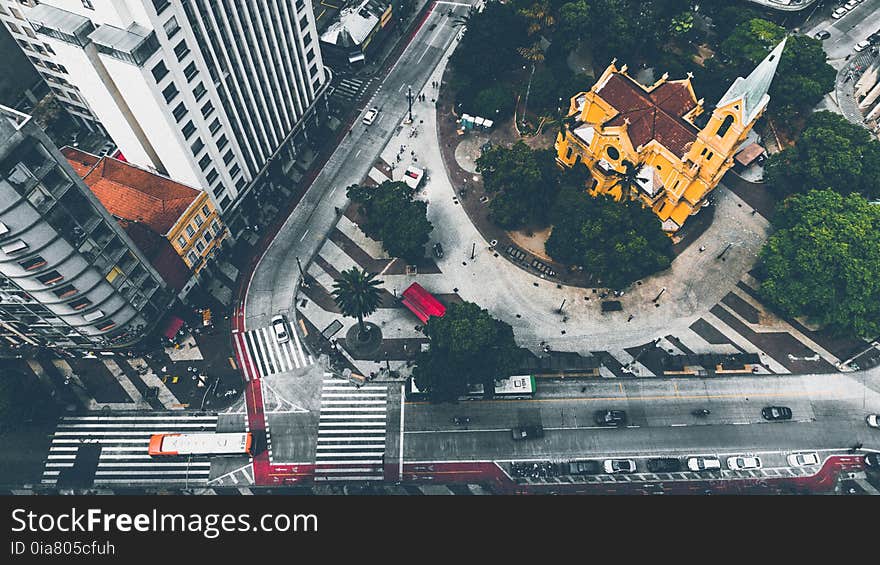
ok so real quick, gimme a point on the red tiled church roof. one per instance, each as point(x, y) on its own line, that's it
point(652, 115)
point(132, 193)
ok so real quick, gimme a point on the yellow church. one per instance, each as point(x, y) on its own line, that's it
point(620, 124)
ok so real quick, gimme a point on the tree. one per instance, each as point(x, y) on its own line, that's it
point(468, 346)
point(574, 23)
point(629, 179)
point(22, 401)
point(489, 46)
point(494, 102)
point(526, 179)
point(823, 261)
point(357, 294)
point(619, 242)
point(831, 153)
point(395, 218)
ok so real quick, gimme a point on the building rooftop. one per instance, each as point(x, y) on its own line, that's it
point(354, 24)
point(131, 193)
point(14, 117)
point(656, 114)
point(160, 253)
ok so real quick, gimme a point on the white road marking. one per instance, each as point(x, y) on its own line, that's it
point(304, 235)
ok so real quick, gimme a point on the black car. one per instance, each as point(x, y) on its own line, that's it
point(527, 432)
point(872, 461)
point(584, 468)
point(438, 250)
point(610, 418)
point(874, 38)
point(664, 465)
point(824, 34)
point(776, 413)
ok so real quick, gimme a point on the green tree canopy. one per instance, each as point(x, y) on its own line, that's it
point(573, 24)
point(395, 218)
point(830, 153)
point(468, 346)
point(823, 261)
point(493, 102)
point(525, 181)
point(356, 292)
point(489, 46)
point(620, 242)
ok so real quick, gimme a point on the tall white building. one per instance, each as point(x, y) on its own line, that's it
point(205, 91)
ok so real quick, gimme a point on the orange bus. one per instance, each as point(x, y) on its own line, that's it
point(201, 444)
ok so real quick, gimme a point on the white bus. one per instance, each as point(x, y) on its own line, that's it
point(201, 444)
point(518, 386)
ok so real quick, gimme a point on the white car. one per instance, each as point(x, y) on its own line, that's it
point(873, 420)
point(619, 466)
point(743, 463)
point(803, 459)
point(862, 45)
point(370, 116)
point(698, 464)
point(279, 326)
point(839, 13)
point(851, 4)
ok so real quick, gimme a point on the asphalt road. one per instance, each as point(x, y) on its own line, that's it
point(855, 26)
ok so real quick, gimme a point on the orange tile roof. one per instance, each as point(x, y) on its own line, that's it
point(132, 193)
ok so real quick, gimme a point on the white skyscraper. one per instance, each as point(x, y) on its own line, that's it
point(205, 91)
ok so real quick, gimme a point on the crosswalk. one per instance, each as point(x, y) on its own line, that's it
point(348, 90)
point(124, 441)
point(351, 432)
point(262, 355)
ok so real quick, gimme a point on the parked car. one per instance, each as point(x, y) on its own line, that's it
point(803, 459)
point(664, 465)
point(279, 326)
point(873, 421)
point(527, 432)
point(874, 38)
point(698, 464)
point(610, 418)
point(774, 413)
point(839, 13)
point(872, 461)
point(583, 467)
point(438, 250)
point(619, 466)
point(370, 116)
point(824, 34)
point(743, 463)
point(851, 4)
point(862, 45)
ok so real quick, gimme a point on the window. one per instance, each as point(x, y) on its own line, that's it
point(227, 157)
point(65, 291)
point(188, 129)
point(313, 70)
point(14, 247)
point(205, 161)
point(215, 125)
point(197, 146)
point(725, 125)
point(206, 211)
point(222, 142)
point(200, 247)
point(170, 92)
point(307, 39)
point(92, 316)
point(190, 231)
point(160, 5)
point(212, 176)
point(181, 241)
point(300, 5)
point(207, 109)
point(199, 91)
point(310, 54)
point(80, 303)
point(190, 71)
point(215, 228)
point(234, 170)
point(179, 112)
point(50, 278)
point(192, 258)
point(199, 220)
point(181, 50)
point(304, 21)
point(106, 325)
point(160, 71)
point(240, 184)
point(171, 27)
point(87, 4)
point(612, 153)
point(208, 237)
point(568, 153)
point(224, 202)
point(34, 262)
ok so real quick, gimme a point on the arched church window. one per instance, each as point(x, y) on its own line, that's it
point(612, 153)
point(725, 125)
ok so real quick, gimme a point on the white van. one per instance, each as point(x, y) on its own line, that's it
point(698, 464)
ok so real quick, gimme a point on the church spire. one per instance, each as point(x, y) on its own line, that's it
point(752, 90)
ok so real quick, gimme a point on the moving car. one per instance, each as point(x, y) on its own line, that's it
point(370, 116)
point(619, 466)
point(279, 326)
point(862, 45)
point(803, 459)
point(438, 250)
point(824, 34)
point(664, 465)
point(527, 432)
point(873, 420)
point(610, 418)
point(872, 461)
point(743, 463)
point(584, 467)
point(698, 464)
point(839, 13)
point(773, 413)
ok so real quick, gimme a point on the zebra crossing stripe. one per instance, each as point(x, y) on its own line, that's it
point(299, 347)
point(243, 354)
point(255, 354)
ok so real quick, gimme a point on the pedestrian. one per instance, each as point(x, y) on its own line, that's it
point(754, 212)
point(630, 318)
point(702, 248)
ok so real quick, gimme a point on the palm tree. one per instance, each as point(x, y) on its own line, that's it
point(540, 19)
point(356, 292)
point(629, 179)
point(463, 21)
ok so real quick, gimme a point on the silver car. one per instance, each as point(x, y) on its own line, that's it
point(743, 463)
point(279, 326)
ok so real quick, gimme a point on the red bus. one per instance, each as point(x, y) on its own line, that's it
point(421, 303)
